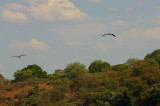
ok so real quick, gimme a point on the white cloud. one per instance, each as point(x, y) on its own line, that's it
point(96, 1)
point(10, 16)
point(33, 44)
point(56, 10)
point(50, 10)
point(15, 6)
point(149, 34)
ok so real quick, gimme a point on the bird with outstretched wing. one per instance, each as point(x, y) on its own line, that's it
point(109, 34)
point(19, 56)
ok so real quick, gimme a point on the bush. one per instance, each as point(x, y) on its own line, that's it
point(99, 66)
point(120, 67)
point(74, 69)
point(31, 71)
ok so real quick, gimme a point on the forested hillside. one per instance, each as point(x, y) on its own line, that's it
point(133, 83)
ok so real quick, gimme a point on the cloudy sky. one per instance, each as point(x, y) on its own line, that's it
point(55, 33)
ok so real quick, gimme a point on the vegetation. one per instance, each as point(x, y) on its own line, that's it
point(99, 66)
point(31, 71)
point(134, 83)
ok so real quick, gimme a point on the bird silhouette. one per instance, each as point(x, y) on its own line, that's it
point(19, 56)
point(108, 34)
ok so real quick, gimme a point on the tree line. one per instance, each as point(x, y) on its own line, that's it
point(133, 83)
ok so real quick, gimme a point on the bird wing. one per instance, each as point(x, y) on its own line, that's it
point(108, 34)
point(113, 35)
point(104, 35)
point(16, 56)
point(23, 55)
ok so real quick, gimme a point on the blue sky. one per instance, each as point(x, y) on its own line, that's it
point(55, 33)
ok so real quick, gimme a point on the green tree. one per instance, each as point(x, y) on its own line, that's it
point(1, 76)
point(59, 71)
point(151, 74)
point(37, 71)
point(119, 67)
point(99, 66)
point(152, 62)
point(131, 62)
point(153, 97)
point(79, 82)
point(74, 69)
point(155, 55)
point(147, 70)
point(22, 75)
point(101, 98)
point(121, 97)
point(31, 71)
point(56, 76)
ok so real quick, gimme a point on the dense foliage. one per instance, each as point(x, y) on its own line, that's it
point(134, 83)
point(31, 71)
point(99, 66)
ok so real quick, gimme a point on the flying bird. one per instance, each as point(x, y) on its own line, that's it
point(19, 56)
point(108, 34)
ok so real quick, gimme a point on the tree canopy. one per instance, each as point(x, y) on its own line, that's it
point(99, 66)
point(133, 83)
point(72, 70)
point(119, 67)
point(155, 55)
point(31, 71)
